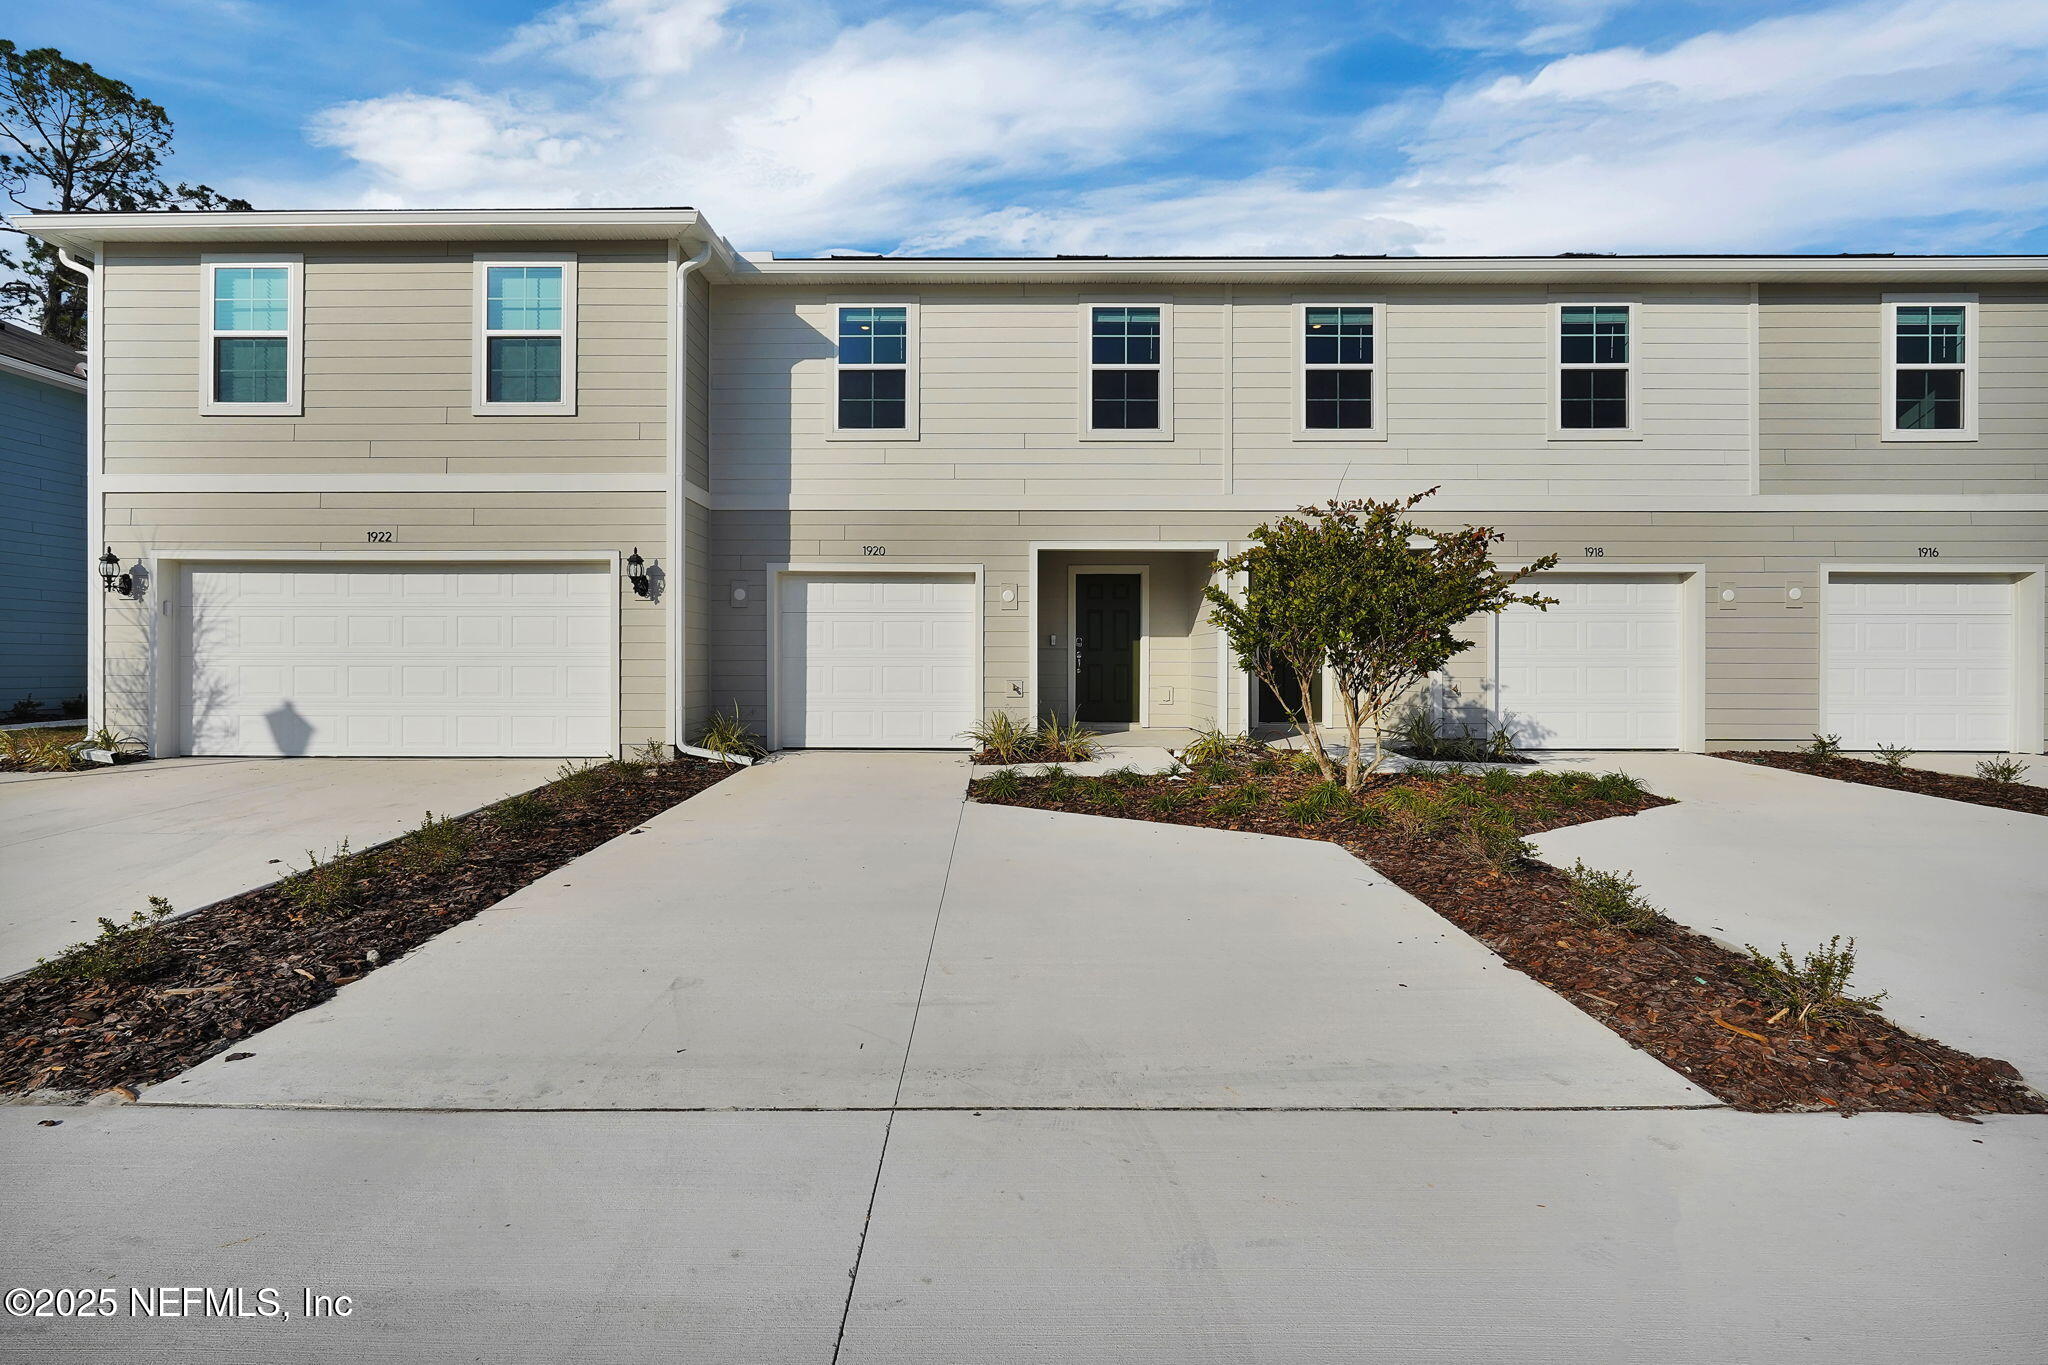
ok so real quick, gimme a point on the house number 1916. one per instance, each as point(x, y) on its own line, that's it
point(1929, 552)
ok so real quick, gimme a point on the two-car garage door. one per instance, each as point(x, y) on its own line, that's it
point(367, 660)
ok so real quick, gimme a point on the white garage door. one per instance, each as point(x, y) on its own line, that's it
point(368, 660)
point(1600, 670)
point(1926, 662)
point(875, 661)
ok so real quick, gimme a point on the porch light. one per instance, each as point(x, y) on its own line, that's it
point(636, 572)
point(111, 577)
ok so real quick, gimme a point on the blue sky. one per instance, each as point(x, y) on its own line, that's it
point(1127, 126)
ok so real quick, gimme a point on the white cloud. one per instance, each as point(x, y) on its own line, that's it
point(1023, 128)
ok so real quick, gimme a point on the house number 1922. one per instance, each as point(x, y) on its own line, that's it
point(377, 537)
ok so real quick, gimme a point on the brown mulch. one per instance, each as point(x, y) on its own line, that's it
point(1978, 791)
point(243, 964)
point(1671, 992)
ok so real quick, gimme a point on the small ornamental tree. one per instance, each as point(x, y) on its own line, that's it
point(1378, 598)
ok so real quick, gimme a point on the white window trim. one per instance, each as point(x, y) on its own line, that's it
point(294, 334)
point(1378, 368)
point(1889, 367)
point(1164, 432)
point(480, 335)
point(1631, 432)
point(909, 430)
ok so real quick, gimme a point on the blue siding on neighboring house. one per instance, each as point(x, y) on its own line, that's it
point(44, 561)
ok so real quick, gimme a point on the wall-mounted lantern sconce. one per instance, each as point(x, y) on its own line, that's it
point(636, 572)
point(111, 577)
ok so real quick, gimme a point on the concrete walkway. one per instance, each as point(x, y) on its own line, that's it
point(1947, 901)
point(765, 946)
point(194, 830)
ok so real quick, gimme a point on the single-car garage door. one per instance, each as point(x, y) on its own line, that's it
point(1925, 661)
point(347, 660)
point(875, 661)
point(1600, 670)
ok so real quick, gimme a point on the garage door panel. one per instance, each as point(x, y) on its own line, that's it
point(373, 661)
point(1600, 669)
point(875, 661)
point(1925, 662)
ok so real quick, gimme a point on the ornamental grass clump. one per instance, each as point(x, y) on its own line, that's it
point(1210, 746)
point(1611, 900)
point(1814, 989)
point(727, 734)
point(1323, 802)
point(1004, 784)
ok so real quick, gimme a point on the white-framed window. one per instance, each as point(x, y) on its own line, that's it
point(1930, 386)
point(874, 382)
point(1594, 394)
point(1127, 371)
point(254, 327)
point(525, 343)
point(1337, 352)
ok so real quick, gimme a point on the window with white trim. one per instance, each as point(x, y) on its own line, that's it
point(526, 337)
point(1126, 368)
point(253, 353)
point(872, 393)
point(1929, 394)
point(1338, 360)
point(1593, 365)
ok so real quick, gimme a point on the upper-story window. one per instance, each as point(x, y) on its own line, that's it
point(526, 336)
point(1126, 370)
point(1593, 367)
point(1931, 394)
point(1339, 355)
point(876, 389)
point(253, 353)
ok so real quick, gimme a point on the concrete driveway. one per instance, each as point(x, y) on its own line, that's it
point(976, 1083)
point(1947, 901)
point(193, 830)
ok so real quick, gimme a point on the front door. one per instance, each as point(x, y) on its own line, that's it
point(1106, 630)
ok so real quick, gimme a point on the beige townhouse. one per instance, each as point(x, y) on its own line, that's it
point(564, 481)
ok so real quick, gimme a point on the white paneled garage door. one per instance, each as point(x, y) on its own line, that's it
point(1600, 670)
point(347, 660)
point(875, 661)
point(1924, 661)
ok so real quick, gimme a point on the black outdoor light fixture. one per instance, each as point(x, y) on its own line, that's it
point(111, 577)
point(636, 572)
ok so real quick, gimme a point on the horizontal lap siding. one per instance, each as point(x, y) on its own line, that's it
point(139, 525)
point(45, 563)
point(388, 350)
point(1823, 364)
point(1762, 657)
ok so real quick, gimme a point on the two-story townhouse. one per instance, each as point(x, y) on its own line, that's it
point(380, 481)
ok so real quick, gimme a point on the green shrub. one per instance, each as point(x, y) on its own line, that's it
point(1823, 746)
point(1428, 772)
point(522, 815)
point(325, 887)
point(1059, 782)
point(1004, 784)
point(1499, 782)
point(1304, 762)
point(1268, 765)
point(1209, 746)
point(37, 751)
point(2001, 770)
point(1216, 772)
point(574, 781)
point(1323, 802)
point(1168, 801)
point(727, 733)
point(1813, 989)
point(1894, 755)
point(1003, 738)
point(1415, 810)
point(1240, 800)
point(1610, 899)
point(438, 844)
point(1125, 776)
point(652, 753)
point(1106, 795)
point(119, 953)
point(1067, 741)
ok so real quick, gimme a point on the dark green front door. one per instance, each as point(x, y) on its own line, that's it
point(1106, 628)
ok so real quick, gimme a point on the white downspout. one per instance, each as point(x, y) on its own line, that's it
point(95, 505)
point(675, 586)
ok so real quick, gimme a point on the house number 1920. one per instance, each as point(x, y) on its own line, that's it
point(874, 551)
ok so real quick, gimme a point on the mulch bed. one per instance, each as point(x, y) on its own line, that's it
point(243, 964)
point(1673, 993)
point(2019, 796)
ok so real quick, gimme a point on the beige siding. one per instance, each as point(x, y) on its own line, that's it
point(1466, 382)
point(139, 525)
point(1823, 366)
point(1180, 648)
point(1762, 655)
point(388, 352)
